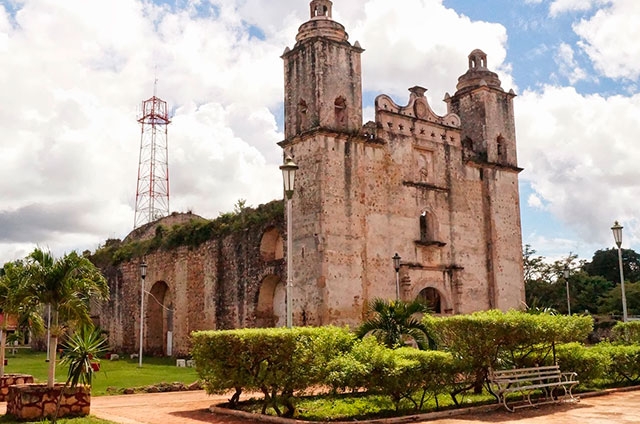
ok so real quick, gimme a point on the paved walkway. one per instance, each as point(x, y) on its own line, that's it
point(192, 408)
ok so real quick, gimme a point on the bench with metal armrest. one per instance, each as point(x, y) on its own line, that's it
point(547, 381)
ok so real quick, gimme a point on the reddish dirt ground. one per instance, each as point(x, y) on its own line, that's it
point(192, 408)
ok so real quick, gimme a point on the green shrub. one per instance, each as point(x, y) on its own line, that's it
point(624, 362)
point(274, 361)
point(404, 373)
point(588, 363)
point(626, 332)
point(495, 339)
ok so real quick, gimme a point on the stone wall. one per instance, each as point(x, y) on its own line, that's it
point(11, 379)
point(216, 284)
point(37, 401)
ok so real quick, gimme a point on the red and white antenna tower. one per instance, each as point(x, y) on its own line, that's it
point(152, 194)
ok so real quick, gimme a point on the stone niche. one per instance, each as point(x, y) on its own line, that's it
point(37, 401)
point(10, 380)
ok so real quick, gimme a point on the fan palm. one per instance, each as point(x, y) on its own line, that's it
point(394, 322)
point(67, 285)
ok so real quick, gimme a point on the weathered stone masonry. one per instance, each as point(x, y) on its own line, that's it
point(441, 191)
point(215, 285)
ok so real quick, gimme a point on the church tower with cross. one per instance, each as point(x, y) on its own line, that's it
point(441, 192)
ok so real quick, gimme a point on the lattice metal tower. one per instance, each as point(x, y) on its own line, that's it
point(152, 194)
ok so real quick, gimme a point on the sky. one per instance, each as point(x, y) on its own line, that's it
point(74, 73)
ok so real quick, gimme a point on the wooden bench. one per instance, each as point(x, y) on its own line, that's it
point(545, 380)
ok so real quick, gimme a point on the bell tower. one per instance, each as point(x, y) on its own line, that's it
point(323, 82)
point(486, 112)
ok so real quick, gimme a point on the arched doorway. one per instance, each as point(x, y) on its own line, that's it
point(270, 308)
point(431, 297)
point(159, 319)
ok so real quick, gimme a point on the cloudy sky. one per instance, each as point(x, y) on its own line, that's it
point(73, 74)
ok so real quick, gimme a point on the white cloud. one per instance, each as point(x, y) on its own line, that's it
point(610, 38)
point(73, 77)
point(581, 158)
point(421, 42)
point(535, 202)
point(563, 6)
point(74, 74)
point(567, 65)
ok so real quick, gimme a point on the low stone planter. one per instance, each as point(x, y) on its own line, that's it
point(37, 401)
point(11, 379)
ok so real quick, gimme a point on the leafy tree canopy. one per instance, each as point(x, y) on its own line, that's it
point(605, 264)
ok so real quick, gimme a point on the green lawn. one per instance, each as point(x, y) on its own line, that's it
point(120, 374)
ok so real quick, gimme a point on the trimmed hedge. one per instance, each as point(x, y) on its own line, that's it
point(624, 362)
point(274, 361)
point(626, 332)
point(284, 363)
point(499, 340)
point(404, 373)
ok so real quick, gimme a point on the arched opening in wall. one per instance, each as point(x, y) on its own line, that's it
point(270, 305)
point(271, 245)
point(427, 227)
point(340, 107)
point(159, 319)
point(431, 297)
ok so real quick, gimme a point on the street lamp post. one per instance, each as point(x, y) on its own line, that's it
point(565, 273)
point(143, 274)
point(396, 264)
point(289, 169)
point(617, 235)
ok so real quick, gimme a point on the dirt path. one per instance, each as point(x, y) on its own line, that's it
point(161, 408)
point(192, 408)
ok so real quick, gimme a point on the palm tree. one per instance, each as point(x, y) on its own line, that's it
point(394, 322)
point(66, 285)
point(12, 306)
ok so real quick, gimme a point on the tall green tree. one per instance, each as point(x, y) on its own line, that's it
point(605, 264)
point(66, 285)
point(395, 322)
point(545, 285)
point(611, 302)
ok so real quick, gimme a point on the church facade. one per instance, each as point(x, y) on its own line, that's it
point(441, 192)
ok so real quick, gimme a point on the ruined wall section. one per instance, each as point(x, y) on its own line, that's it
point(214, 285)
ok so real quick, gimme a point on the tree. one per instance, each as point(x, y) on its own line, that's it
point(605, 264)
point(394, 322)
point(12, 306)
point(544, 281)
point(612, 300)
point(66, 285)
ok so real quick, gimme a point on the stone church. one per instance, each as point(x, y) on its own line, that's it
point(440, 191)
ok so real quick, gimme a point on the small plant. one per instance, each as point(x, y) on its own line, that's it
point(394, 323)
point(80, 352)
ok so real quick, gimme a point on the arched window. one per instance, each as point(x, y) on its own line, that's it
point(424, 227)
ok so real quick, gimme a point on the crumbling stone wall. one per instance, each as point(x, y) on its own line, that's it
point(214, 285)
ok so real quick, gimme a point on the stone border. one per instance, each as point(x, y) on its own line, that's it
point(12, 379)
point(37, 401)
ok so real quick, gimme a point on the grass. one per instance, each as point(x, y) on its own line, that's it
point(363, 406)
point(120, 374)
